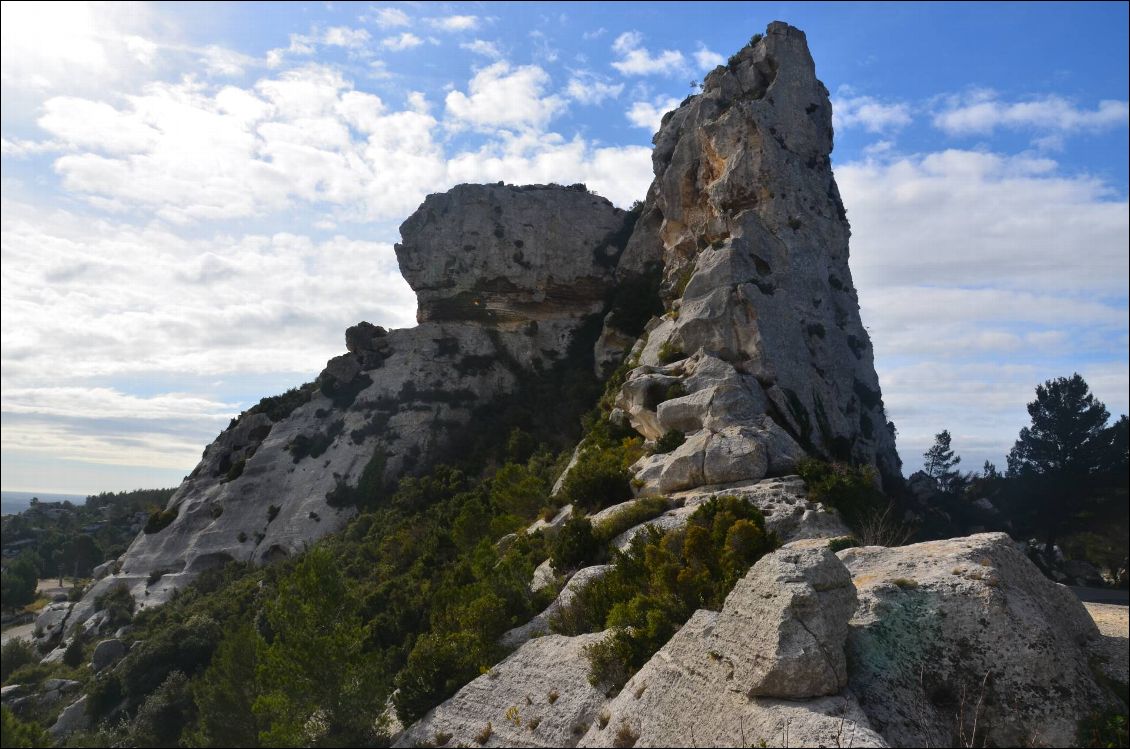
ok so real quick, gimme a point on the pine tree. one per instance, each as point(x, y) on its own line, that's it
point(940, 462)
point(1067, 444)
point(319, 686)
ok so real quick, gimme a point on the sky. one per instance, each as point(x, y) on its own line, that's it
point(199, 198)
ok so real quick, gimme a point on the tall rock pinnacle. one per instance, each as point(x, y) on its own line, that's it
point(762, 335)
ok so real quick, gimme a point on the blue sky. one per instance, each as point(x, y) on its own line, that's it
point(199, 198)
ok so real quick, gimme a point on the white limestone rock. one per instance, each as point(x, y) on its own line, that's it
point(754, 241)
point(506, 278)
point(967, 629)
point(538, 696)
point(695, 690)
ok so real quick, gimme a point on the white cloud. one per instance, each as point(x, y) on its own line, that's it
point(976, 219)
point(707, 59)
point(220, 61)
point(980, 276)
point(589, 88)
point(594, 33)
point(388, 18)
point(402, 41)
point(187, 152)
point(635, 59)
point(483, 47)
point(19, 147)
point(454, 23)
point(620, 174)
point(874, 116)
point(344, 36)
point(982, 112)
point(501, 96)
point(649, 115)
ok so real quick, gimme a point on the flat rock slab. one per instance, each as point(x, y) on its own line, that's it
point(539, 696)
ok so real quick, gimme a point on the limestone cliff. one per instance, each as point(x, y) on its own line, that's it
point(762, 341)
point(511, 281)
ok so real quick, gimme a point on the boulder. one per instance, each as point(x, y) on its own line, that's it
point(696, 690)
point(963, 641)
point(107, 653)
point(73, 718)
point(784, 625)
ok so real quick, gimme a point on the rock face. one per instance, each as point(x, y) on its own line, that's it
point(762, 356)
point(511, 282)
point(963, 632)
point(780, 634)
point(493, 253)
point(539, 696)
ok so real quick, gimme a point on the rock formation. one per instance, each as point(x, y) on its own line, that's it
point(510, 281)
point(761, 356)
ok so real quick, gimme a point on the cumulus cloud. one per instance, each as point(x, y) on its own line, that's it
point(981, 275)
point(401, 41)
point(502, 96)
point(483, 47)
point(649, 114)
point(707, 59)
point(874, 116)
point(636, 59)
point(982, 112)
point(590, 88)
point(454, 23)
point(388, 18)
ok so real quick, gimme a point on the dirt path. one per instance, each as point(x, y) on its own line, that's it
point(1114, 649)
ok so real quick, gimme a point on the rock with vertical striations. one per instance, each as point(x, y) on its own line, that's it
point(748, 220)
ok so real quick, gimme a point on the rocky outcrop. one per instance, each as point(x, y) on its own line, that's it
point(492, 253)
point(964, 642)
point(512, 283)
point(761, 356)
point(539, 696)
point(719, 681)
point(788, 513)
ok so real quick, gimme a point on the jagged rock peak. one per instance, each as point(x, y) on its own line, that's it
point(745, 213)
point(503, 253)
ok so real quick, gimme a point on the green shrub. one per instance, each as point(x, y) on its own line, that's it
point(159, 520)
point(19, 733)
point(850, 489)
point(272, 513)
point(574, 545)
point(669, 352)
point(669, 441)
point(843, 542)
point(674, 390)
point(118, 603)
point(599, 479)
point(14, 654)
point(659, 581)
point(1104, 729)
point(640, 511)
point(73, 655)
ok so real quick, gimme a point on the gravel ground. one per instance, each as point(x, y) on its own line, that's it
point(1114, 648)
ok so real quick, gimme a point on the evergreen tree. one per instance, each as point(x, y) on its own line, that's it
point(226, 693)
point(940, 462)
point(319, 687)
point(1067, 444)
